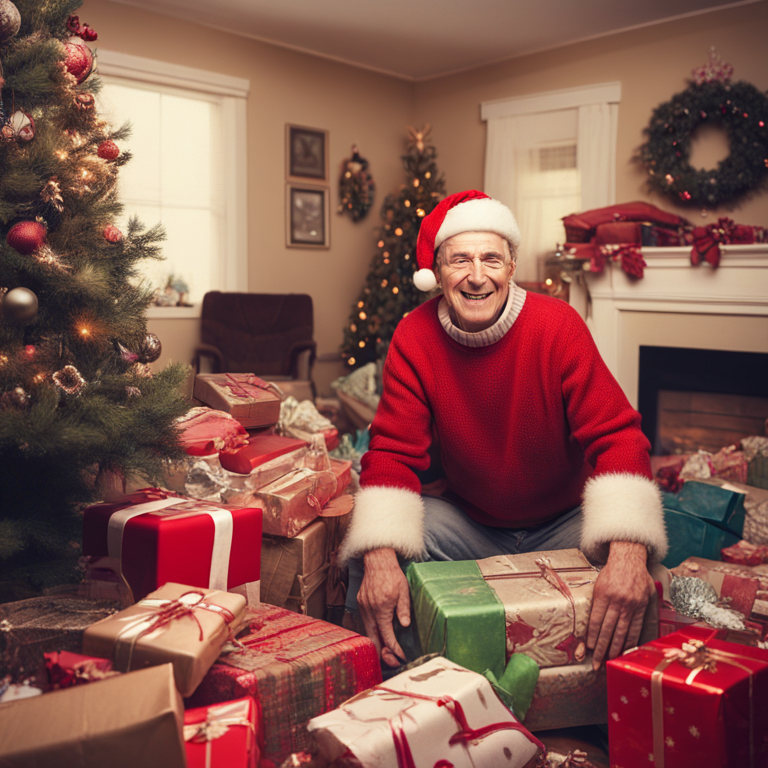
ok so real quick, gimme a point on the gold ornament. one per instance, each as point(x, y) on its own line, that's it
point(69, 380)
point(51, 193)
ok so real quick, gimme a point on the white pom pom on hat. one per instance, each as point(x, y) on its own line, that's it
point(469, 211)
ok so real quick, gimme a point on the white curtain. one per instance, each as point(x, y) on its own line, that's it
point(596, 154)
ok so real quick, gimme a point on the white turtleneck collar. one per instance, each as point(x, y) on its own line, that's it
point(491, 335)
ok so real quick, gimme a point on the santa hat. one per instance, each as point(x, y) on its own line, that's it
point(469, 211)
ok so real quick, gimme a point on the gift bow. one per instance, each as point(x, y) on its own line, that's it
point(217, 722)
point(707, 240)
point(239, 387)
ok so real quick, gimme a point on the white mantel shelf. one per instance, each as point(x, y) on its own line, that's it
point(737, 288)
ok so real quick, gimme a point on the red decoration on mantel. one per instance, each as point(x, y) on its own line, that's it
point(707, 240)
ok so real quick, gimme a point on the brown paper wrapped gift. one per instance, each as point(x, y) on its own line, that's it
point(179, 624)
point(293, 571)
point(123, 722)
point(547, 597)
point(253, 402)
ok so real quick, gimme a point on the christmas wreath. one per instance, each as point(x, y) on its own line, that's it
point(739, 108)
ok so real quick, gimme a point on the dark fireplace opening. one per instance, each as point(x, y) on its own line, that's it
point(693, 399)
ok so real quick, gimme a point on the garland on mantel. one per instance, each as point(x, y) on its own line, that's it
point(739, 108)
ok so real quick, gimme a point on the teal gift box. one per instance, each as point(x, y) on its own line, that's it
point(701, 520)
point(455, 594)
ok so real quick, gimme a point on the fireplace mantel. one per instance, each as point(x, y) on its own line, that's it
point(677, 305)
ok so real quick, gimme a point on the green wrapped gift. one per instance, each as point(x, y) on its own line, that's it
point(458, 615)
point(690, 536)
point(715, 504)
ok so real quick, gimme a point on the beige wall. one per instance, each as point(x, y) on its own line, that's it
point(652, 64)
point(355, 105)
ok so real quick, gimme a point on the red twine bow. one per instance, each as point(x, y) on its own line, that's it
point(239, 388)
point(81, 30)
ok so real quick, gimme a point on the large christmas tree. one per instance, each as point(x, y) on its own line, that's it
point(77, 399)
point(389, 293)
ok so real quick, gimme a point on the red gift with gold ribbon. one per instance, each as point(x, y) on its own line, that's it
point(685, 702)
point(222, 736)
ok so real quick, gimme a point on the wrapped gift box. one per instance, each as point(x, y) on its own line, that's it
point(176, 624)
point(745, 553)
point(259, 450)
point(343, 471)
point(689, 536)
point(65, 669)
point(458, 615)
point(680, 702)
point(293, 571)
point(436, 714)
point(721, 505)
point(222, 736)
point(205, 431)
point(547, 597)
point(568, 696)
point(30, 628)
point(126, 721)
point(250, 400)
point(158, 536)
point(293, 501)
point(297, 667)
point(746, 588)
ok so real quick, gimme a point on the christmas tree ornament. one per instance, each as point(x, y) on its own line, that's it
point(85, 101)
point(78, 59)
point(108, 150)
point(26, 236)
point(45, 255)
point(142, 370)
point(10, 21)
point(356, 187)
point(112, 234)
point(69, 380)
point(81, 30)
point(20, 306)
point(15, 399)
point(19, 125)
point(51, 193)
point(149, 349)
point(132, 392)
point(125, 354)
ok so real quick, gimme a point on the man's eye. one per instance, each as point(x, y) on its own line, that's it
point(493, 263)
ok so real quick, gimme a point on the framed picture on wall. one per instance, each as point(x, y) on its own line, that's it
point(307, 217)
point(306, 153)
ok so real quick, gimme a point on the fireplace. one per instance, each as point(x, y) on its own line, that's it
point(693, 399)
point(695, 318)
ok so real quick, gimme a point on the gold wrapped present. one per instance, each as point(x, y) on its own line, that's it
point(122, 722)
point(253, 402)
point(183, 625)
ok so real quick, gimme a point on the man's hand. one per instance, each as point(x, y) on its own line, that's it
point(383, 592)
point(622, 592)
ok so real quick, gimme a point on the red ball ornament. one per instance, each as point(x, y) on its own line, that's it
point(112, 234)
point(79, 59)
point(108, 150)
point(26, 237)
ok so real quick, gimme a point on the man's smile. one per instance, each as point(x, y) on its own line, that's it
point(475, 296)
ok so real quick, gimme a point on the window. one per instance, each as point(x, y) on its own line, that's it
point(549, 155)
point(187, 170)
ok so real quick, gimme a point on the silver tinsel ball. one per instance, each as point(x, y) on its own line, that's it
point(687, 594)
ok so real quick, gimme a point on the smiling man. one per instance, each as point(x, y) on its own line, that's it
point(540, 448)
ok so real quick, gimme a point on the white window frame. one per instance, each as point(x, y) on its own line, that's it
point(233, 92)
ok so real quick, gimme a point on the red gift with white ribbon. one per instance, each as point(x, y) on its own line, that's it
point(222, 736)
point(156, 536)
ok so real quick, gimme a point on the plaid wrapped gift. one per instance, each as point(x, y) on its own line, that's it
point(298, 668)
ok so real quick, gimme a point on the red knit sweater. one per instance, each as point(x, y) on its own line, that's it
point(522, 423)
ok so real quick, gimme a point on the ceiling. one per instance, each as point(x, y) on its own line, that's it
point(421, 40)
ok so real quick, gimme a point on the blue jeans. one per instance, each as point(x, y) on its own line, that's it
point(451, 535)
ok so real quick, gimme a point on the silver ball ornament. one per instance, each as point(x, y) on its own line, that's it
point(10, 20)
point(149, 349)
point(20, 306)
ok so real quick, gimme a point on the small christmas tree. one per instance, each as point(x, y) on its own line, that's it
point(77, 399)
point(389, 293)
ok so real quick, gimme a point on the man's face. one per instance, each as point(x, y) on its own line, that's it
point(474, 271)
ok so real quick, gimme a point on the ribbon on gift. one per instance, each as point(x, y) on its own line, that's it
point(464, 734)
point(160, 614)
point(222, 535)
point(698, 657)
point(247, 385)
point(218, 721)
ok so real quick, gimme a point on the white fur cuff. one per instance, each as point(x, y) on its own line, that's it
point(385, 517)
point(622, 507)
